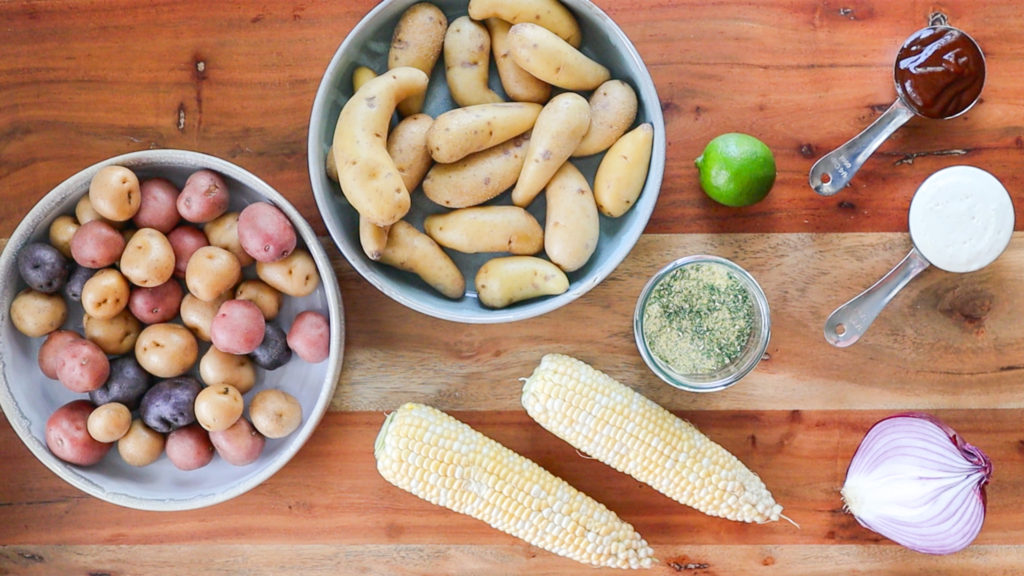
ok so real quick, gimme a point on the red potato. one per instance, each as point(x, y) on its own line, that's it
point(67, 435)
point(265, 233)
point(96, 244)
point(185, 240)
point(204, 197)
point(238, 327)
point(83, 366)
point(240, 444)
point(189, 448)
point(158, 208)
point(157, 304)
point(310, 336)
point(50, 353)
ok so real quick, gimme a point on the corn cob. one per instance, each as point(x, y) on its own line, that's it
point(620, 427)
point(444, 461)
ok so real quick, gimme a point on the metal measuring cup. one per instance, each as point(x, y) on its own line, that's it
point(834, 171)
point(936, 198)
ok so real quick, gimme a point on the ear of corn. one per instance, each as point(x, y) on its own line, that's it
point(444, 461)
point(620, 427)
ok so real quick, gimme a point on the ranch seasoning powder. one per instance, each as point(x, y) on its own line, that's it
point(698, 319)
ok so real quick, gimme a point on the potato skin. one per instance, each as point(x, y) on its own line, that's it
point(114, 193)
point(467, 57)
point(148, 258)
point(519, 84)
point(413, 251)
point(486, 229)
point(295, 275)
point(559, 128)
point(417, 42)
point(613, 108)
point(553, 60)
point(407, 145)
point(460, 132)
point(36, 314)
point(478, 177)
point(549, 14)
point(506, 280)
point(622, 172)
point(572, 226)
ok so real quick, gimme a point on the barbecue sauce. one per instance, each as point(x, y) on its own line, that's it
point(940, 72)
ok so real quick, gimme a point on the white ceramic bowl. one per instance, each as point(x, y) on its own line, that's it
point(28, 397)
point(367, 45)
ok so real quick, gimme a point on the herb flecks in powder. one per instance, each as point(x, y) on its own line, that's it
point(698, 319)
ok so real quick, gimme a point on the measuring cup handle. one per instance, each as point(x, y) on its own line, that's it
point(833, 171)
point(851, 320)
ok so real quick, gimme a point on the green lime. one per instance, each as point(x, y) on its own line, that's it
point(736, 169)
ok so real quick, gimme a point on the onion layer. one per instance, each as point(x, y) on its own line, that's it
point(917, 482)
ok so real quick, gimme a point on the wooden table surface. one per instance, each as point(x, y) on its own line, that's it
point(81, 81)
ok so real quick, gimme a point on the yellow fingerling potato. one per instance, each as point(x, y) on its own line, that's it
point(622, 172)
point(519, 84)
point(360, 76)
point(413, 251)
point(571, 225)
point(467, 60)
point(368, 176)
point(460, 132)
point(417, 42)
point(550, 14)
point(509, 279)
point(486, 229)
point(407, 145)
point(543, 54)
point(613, 109)
point(556, 134)
point(478, 177)
point(372, 238)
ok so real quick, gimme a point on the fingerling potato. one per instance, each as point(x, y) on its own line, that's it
point(413, 251)
point(417, 42)
point(407, 145)
point(571, 225)
point(622, 172)
point(477, 177)
point(361, 75)
point(613, 109)
point(467, 60)
point(509, 279)
point(519, 84)
point(550, 14)
point(486, 229)
point(556, 134)
point(368, 176)
point(550, 58)
point(372, 238)
point(460, 132)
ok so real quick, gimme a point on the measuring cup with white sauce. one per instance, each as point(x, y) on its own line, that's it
point(939, 74)
point(961, 219)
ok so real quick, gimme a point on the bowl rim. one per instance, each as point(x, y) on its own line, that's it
point(681, 381)
point(524, 310)
point(197, 160)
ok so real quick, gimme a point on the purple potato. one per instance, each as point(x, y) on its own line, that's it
point(273, 352)
point(43, 267)
point(127, 383)
point(79, 276)
point(169, 404)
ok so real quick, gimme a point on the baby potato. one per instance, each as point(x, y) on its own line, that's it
point(558, 131)
point(218, 368)
point(407, 145)
point(460, 132)
point(495, 228)
point(62, 229)
point(222, 232)
point(67, 435)
point(543, 54)
point(49, 356)
point(204, 197)
point(275, 413)
point(36, 314)
point(266, 298)
point(148, 258)
point(478, 177)
point(157, 304)
point(114, 193)
point(240, 444)
point(572, 226)
point(417, 42)
point(622, 172)
point(185, 240)
point(166, 350)
point(367, 174)
point(109, 422)
point(519, 84)
point(83, 366)
point(212, 271)
point(413, 251)
point(506, 280)
point(218, 407)
point(372, 238)
point(295, 275)
point(96, 244)
point(550, 14)
point(467, 61)
point(158, 205)
point(106, 294)
point(361, 75)
point(613, 108)
point(43, 267)
point(115, 335)
point(238, 327)
point(273, 352)
point(189, 447)
point(198, 314)
point(141, 445)
point(310, 336)
point(265, 233)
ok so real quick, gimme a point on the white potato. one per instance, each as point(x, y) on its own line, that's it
point(543, 54)
point(486, 229)
point(413, 251)
point(506, 280)
point(467, 59)
point(622, 172)
point(572, 225)
point(477, 177)
point(556, 134)
point(460, 132)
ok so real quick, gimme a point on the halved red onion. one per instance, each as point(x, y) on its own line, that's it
point(917, 482)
